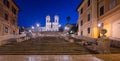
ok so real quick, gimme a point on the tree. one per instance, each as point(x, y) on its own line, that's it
point(68, 19)
point(74, 29)
point(21, 29)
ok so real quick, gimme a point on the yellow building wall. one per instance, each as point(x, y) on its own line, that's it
point(108, 19)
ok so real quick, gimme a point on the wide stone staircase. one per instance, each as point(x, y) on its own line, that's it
point(44, 45)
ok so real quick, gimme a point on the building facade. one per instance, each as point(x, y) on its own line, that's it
point(8, 17)
point(52, 26)
point(49, 25)
point(95, 15)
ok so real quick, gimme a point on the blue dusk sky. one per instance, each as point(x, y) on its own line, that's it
point(34, 11)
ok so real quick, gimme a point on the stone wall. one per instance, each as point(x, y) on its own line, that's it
point(115, 43)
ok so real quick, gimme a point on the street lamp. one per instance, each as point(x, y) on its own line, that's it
point(100, 25)
point(67, 28)
point(37, 25)
point(59, 25)
point(33, 27)
point(37, 29)
point(30, 31)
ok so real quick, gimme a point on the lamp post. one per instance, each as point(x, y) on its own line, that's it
point(99, 26)
point(67, 29)
point(37, 25)
point(37, 29)
point(59, 25)
point(32, 28)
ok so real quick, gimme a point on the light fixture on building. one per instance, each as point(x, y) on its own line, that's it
point(100, 25)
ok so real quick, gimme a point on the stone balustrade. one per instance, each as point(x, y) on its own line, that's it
point(85, 39)
point(12, 38)
point(102, 46)
point(115, 42)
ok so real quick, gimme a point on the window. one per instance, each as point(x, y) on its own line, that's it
point(6, 2)
point(81, 22)
point(6, 16)
point(88, 2)
point(81, 10)
point(6, 30)
point(13, 22)
point(89, 30)
point(88, 17)
point(48, 21)
point(101, 10)
point(112, 4)
point(81, 33)
point(13, 32)
point(13, 10)
point(56, 21)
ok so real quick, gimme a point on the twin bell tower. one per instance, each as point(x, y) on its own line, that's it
point(52, 26)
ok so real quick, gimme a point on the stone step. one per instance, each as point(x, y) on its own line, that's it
point(48, 45)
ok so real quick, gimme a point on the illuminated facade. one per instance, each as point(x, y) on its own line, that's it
point(99, 12)
point(52, 26)
point(8, 18)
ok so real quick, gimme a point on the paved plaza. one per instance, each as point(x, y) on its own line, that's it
point(98, 57)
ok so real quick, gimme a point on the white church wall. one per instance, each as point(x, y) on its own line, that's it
point(52, 26)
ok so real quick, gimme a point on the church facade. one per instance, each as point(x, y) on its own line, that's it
point(49, 25)
point(52, 26)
